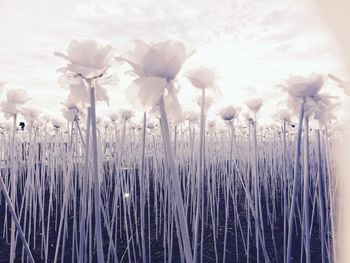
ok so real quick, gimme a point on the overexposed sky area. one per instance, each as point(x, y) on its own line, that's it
point(252, 44)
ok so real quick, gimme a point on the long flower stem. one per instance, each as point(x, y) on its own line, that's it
point(182, 225)
point(98, 230)
point(295, 182)
point(306, 217)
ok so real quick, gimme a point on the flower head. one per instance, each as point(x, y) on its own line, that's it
point(15, 98)
point(255, 104)
point(156, 66)
point(301, 87)
point(71, 111)
point(30, 114)
point(284, 115)
point(113, 117)
point(87, 58)
point(126, 114)
point(57, 123)
point(164, 59)
point(202, 78)
point(228, 113)
point(151, 124)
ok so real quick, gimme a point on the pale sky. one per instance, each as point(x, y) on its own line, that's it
point(252, 44)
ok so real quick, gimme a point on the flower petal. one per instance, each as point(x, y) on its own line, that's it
point(145, 92)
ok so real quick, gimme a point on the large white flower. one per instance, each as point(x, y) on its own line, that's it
point(301, 87)
point(165, 59)
point(156, 66)
point(87, 58)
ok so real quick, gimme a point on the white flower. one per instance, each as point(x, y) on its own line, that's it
point(156, 66)
point(321, 107)
point(202, 78)
point(38, 123)
point(151, 124)
point(301, 87)
point(17, 96)
point(87, 58)
point(247, 116)
point(57, 123)
point(228, 113)
point(164, 59)
point(113, 116)
point(30, 114)
point(126, 114)
point(284, 115)
point(70, 112)
point(255, 104)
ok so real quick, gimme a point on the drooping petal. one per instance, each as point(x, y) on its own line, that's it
point(101, 93)
point(145, 92)
point(172, 104)
point(68, 79)
point(110, 80)
point(136, 56)
point(208, 101)
point(79, 94)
